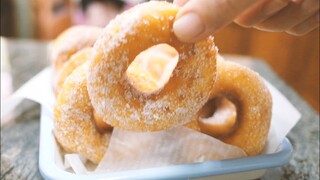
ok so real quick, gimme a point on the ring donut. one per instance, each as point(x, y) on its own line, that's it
point(253, 101)
point(75, 60)
point(152, 68)
point(71, 41)
point(123, 106)
point(74, 126)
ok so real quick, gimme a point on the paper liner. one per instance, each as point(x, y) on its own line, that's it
point(284, 118)
point(178, 145)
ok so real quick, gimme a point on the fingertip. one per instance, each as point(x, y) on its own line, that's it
point(188, 27)
point(211, 16)
point(180, 2)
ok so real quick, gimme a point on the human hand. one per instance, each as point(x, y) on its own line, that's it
point(199, 18)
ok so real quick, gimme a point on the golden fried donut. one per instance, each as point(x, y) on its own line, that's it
point(123, 106)
point(151, 70)
point(73, 119)
point(148, 72)
point(75, 60)
point(253, 101)
point(70, 41)
point(217, 117)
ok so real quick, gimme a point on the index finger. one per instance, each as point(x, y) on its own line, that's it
point(197, 19)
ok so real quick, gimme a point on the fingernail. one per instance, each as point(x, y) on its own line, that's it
point(188, 26)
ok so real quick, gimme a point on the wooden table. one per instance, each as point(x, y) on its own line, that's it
point(20, 139)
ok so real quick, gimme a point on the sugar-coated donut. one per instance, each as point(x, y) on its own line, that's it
point(75, 60)
point(151, 70)
point(253, 101)
point(70, 41)
point(74, 127)
point(123, 106)
point(217, 117)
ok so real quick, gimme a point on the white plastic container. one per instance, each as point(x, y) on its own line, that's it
point(242, 168)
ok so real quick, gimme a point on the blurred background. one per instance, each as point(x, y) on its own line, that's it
point(294, 59)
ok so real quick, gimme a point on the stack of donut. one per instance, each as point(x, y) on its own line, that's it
point(96, 89)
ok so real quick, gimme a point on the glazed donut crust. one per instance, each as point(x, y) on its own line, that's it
point(74, 128)
point(253, 101)
point(123, 106)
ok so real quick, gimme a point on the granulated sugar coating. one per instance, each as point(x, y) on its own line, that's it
point(74, 127)
point(71, 41)
point(75, 60)
point(123, 106)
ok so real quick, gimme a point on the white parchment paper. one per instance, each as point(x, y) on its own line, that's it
point(179, 145)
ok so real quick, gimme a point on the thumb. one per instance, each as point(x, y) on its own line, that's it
point(197, 19)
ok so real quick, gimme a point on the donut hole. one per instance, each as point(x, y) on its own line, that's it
point(152, 68)
point(218, 117)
